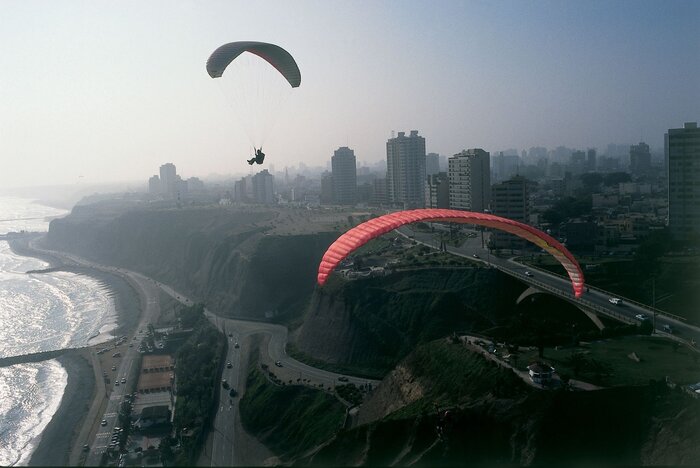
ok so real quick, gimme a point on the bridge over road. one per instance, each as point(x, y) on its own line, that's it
point(594, 301)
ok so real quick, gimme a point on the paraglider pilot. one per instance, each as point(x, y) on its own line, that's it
point(259, 157)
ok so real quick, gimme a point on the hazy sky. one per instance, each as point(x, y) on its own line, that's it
point(111, 90)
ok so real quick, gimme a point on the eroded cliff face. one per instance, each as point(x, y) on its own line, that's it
point(443, 406)
point(375, 322)
point(222, 257)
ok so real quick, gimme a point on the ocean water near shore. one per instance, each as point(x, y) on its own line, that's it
point(40, 312)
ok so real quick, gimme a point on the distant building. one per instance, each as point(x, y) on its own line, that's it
point(379, 193)
point(168, 178)
point(683, 161)
point(470, 180)
point(263, 188)
point(240, 194)
point(344, 170)
point(510, 199)
point(326, 196)
point(154, 186)
point(405, 160)
point(591, 163)
point(432, 164)
point(578, 162)
point(437, 191)
point(505, 166)
point(194, 184)
point(640, 159)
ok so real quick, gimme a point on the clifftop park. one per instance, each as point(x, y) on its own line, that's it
point(428, 355)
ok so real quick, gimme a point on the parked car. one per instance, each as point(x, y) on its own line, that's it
point(103, 422)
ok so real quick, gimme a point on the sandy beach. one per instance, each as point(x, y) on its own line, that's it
point(81, 393)
point(56, 440)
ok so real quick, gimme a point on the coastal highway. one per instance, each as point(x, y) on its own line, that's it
point(128, 366)
point(228, 443)
point(595, 299)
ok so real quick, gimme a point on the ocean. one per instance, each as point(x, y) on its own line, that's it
point(40, 312)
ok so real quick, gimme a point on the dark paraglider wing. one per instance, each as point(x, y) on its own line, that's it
point(363, 233)
point(274, 55)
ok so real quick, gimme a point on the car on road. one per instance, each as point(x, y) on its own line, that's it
point(123, 380)
point(233, 393)
point(528, 273)
point(230, 335)
point(229, 365)
point(236, 345)
point(114, 368)
point(343, 378)
point(475, 256)
point(668, 329)
point(641, 317)
point(224, 384)
point(615, 300)
point(86, 448)
point(278, 363)
point(116, 383)
point(103, 422)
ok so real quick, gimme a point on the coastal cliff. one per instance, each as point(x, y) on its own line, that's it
point(225, 257)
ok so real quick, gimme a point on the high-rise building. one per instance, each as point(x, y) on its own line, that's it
point(470, 180)
point(432, 163)
point(505, 166)
point(168, 178)
point(510, 199)
point(239, 191)
point(344, 169)
point(263, 187)
point(437, 191)
point(405, 160)
point(640, 159)
point(578, 162)
point(154, 186)
point(683, 161)
point(326, 195)
point(591, 163)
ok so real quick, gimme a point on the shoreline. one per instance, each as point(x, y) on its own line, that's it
point(58, 440)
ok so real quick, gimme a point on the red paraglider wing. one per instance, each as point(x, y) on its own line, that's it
point(363, 233)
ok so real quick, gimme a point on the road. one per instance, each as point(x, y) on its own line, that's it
point(594, 299)
point(228, 443)
point(128, 366)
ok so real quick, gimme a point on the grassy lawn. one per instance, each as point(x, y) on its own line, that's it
point(607, 362)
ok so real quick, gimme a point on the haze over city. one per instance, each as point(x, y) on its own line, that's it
point(97, 92)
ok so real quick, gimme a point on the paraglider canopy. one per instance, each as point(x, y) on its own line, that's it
point(273, 54)
point(363, 233)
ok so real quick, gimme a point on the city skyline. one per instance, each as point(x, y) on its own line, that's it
point(103, 93)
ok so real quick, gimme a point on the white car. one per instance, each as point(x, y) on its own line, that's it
point(641, 317)
point(615, 300)
point(528, 273)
